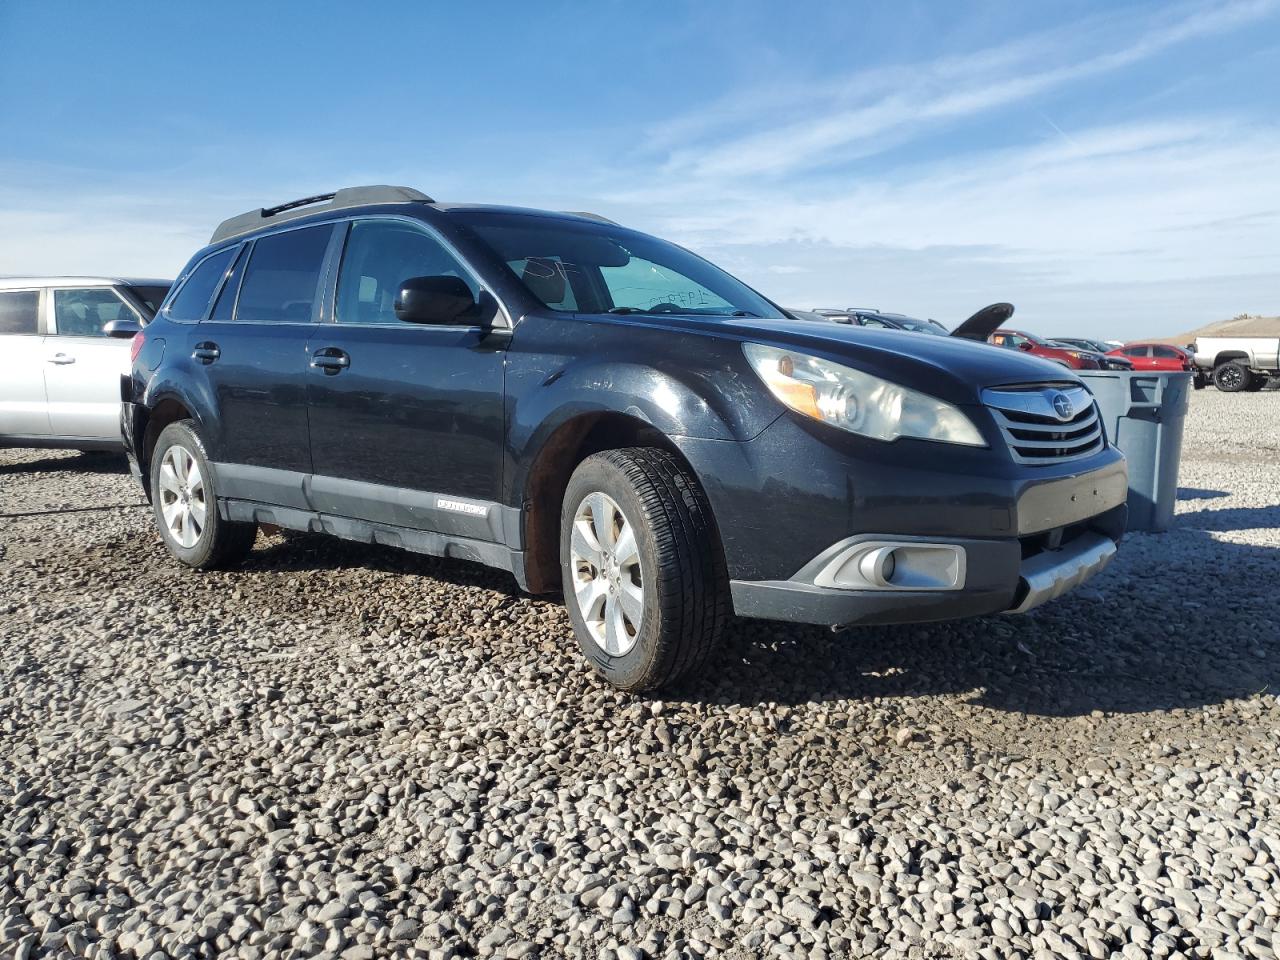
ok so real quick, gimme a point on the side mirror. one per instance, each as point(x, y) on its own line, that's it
point(122, 329)
point(1025, 346)
point(443, 300)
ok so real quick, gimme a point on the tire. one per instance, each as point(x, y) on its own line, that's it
point(185, 504)
point(674, 580)
point(1231, 377)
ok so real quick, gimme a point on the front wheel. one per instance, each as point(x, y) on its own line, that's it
point(184, 502)
point(643, 570)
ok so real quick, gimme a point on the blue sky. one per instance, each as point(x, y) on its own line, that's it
point(1110, 168)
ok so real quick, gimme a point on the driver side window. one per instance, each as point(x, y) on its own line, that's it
point(83, 313)
point(380, 255)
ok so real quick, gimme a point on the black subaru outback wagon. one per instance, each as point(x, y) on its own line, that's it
point(605, 414)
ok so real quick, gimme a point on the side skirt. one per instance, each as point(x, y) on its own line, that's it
point(363, 531)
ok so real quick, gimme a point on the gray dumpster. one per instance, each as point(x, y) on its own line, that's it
point(1144, 413)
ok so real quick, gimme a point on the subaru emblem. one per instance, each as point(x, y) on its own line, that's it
point(1062, 406)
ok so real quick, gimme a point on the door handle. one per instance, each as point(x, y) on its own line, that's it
point(331, 360)
point(206, 352)
point(61, 358)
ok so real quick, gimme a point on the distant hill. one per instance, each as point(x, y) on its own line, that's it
point(1245, 325)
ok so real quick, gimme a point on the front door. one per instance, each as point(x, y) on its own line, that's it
point(23, 409)
point(82, 374)
point(406, 419)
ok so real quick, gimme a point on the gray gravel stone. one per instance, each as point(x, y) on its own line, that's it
point(347, 751)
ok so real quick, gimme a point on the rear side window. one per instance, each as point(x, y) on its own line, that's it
point(1137, 351)
point(83, 313)
point(19, 311)
point(283, 275)
point(192, 299)
point(223, 309)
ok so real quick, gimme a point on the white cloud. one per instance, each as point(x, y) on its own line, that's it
point(867, 112)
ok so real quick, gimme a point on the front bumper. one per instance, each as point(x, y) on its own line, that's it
point(1003, 576)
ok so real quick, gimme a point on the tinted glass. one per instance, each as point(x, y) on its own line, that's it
point(1136, 352)
point(597, 267)
point(192, 300)
point(150, 296)
point(380, 255)
point(19, 311)
point(83, 313)
point(283, 275)
point(1167, 352)
point(227, 298)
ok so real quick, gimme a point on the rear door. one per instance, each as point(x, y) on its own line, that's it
point(83, 367)
point(24, 411)
point(408, 429)
point(252, 352)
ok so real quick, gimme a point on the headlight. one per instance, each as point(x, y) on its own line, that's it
point(857, 401)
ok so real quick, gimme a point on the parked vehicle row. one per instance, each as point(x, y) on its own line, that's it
point(1071, 357)
point(605, 415)
point(65, 342)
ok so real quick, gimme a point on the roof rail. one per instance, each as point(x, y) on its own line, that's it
point(592, 216)
point(321, 202)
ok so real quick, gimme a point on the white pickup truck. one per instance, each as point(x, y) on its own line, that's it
point(1238, 363)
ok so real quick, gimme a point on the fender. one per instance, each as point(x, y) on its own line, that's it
point(679, 382)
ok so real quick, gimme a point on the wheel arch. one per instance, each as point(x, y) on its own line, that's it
point(161, 411)
point(543, 487)
point(1228, 356)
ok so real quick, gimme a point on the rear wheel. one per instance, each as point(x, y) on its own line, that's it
point(184, 502)
point(1231, 377)
point(1257, 382)
point(643, 571)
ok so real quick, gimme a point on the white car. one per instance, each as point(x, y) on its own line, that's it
point(65, 343)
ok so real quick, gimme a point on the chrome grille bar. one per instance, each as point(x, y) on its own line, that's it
point(1046, 423)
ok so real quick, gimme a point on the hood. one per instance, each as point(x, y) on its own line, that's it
point(984, 323)
point(951, 369)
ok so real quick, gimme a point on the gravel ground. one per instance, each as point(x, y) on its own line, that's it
point(349, 751)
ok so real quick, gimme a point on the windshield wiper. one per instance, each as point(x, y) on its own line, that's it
point(625, 310)
point(744, 313)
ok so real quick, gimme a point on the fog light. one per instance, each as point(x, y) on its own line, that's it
point(890, 565)
point(877, 566)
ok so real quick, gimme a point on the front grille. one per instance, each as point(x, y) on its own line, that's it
point(1031, 419)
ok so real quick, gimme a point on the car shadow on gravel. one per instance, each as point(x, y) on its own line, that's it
point(1151, 634)
point(105, 462)
point(292, 550)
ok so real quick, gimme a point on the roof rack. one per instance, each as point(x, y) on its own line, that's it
point(592, 216)
point(321, 202)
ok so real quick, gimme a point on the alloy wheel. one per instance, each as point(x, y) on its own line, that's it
point(608, 582)
point(182, 496)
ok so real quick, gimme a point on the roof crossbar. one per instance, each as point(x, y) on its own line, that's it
point(320, 203)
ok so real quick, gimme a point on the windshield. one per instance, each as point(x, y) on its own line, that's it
point(919, 326)
point(150, 296)
point(600, 268)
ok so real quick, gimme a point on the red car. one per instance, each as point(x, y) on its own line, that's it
point(1160, 356)
point(1030, 343)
